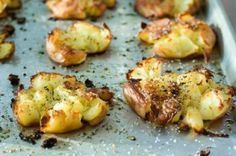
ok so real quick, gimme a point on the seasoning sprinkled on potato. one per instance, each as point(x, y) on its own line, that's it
point(164, 98)
point(71, 46)
point(59, 104)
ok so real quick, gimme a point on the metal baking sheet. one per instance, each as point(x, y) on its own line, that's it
point(114, 136)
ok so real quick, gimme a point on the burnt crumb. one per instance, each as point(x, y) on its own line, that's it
point(213, 134)
point(12, 15)
point(89, 83)
point(30, 138)
point(12, 102)
point(49, 143)
point(168, 71)
point(21, 20)
point(9, 29)
point(52, 19)
point(131, 138)
point(14, 79)
point(204, 152)
point(143, 25)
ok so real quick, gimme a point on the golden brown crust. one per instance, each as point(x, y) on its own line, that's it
point(71, 46)
point(189, 98)
point(184, 37)
point(162, 8)
point(79, 9)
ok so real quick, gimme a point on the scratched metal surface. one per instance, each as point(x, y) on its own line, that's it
point(111, 137)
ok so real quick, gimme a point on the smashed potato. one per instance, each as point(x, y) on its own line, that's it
point(190, 98)
point(79, 9)
point(6, 48)
point(60, 103)
point(71, 46)
point(161, 8)
point(8, 4)
point(180, 38)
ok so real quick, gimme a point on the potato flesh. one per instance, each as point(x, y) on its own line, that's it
point(185, 37)
point(201, 98)
point(6, 50)
point(85, 37)
point(71, 46)
point(182, 6)
point(79, 9)
point(148, 69)
point(55, 107)
point(161, 8)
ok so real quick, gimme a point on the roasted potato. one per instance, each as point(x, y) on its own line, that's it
point(8, 4)
point(190, 98)
point(79, 9)
point(71, 46)
point(180, 38)
point(59, 103)
point(161, 8)
point(13, 4)
point(6, 48)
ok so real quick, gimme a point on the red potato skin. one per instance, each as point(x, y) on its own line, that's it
point(135, 99)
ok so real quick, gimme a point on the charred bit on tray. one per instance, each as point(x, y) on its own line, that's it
point(8, 29)
point(214, 134)
point(49, 143)
point(131, 138)
point(89, 83)
point(21, 20)
point(204, 152)
point(14, 79)
point(30, 138)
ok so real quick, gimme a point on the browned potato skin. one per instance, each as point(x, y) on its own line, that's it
point(65, 55)
point(136, 99)
point(159, 8)
point(68, 56)
point(77, 9)
point(159, 29)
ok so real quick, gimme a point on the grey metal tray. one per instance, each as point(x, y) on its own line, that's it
point(111, 137)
